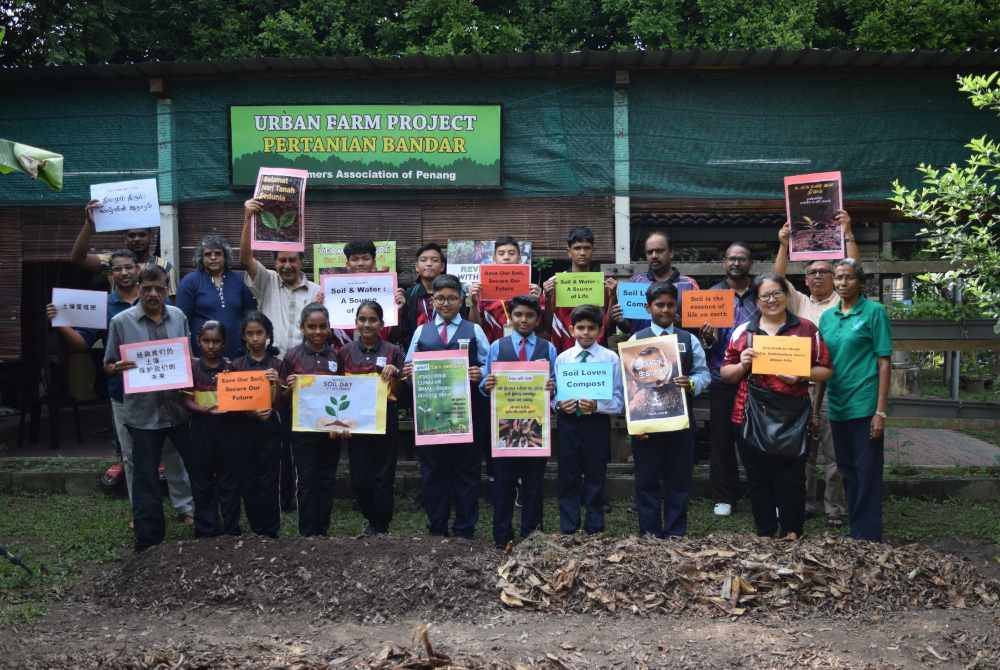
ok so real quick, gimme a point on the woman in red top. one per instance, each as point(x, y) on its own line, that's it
point(772, 411)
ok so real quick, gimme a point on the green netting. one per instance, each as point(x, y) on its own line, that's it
point(736, 134)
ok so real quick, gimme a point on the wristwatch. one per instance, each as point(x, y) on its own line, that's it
point(881, 414)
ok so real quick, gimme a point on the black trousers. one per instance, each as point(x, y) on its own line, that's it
point(147, 509)
point(286, 476)
point(373, 475)
point(450, 474)
point(724, 474)
point(776, 482)
point(481, 434)
point(584, 452)
point(316, 458)
point(506, 472)
point(860, 460)
point(217, 468)
point(262, 444)
point(664, 469)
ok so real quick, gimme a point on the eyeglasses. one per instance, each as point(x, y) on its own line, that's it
point(818, 273)
point(773, 296)
point(153, 289)
point(441, 300)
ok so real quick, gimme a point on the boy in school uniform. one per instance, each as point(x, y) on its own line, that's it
point(584, 428)
point(450, 472)
point(664, 462)
point(521, 345)
point(360, 255)
point(494, 315)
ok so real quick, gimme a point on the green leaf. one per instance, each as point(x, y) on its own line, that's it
point(287, 219)
point(332, 411)
point(344, 405)
point(269, 220)
point(3, 31)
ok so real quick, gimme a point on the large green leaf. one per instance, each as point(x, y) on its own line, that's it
point(269, 220)
point(287, 219)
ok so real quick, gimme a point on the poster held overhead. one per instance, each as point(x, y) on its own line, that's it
point(280, 225)
point(466, 256)
point(632, 298)
point(442, 398)
point(126, 205)
point(519, 410)
point(80, 309)
point(811, 202)
point(343, 293)
point(653, 403)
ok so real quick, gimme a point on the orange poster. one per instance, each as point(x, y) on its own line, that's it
point(782, 355)
point(243, 391)
point(717, 308)
point(498, 281)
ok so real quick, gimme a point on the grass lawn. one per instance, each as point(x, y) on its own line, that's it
point(75, 536)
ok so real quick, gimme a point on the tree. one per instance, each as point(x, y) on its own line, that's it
point(959, 208)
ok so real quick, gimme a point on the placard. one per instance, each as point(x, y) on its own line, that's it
point(80, 309)
point(442, 398)
point(329, 259)
point(126, 205)
point(782, 355)
point(632, 298)
point(811, 202)
point(328, 403)
point(715, 307)
point(519, 410)
point(579, 288)
point(465, 257)
point(280, 225)
point(503, 281)
point(585, 381)
point(161, 365)
point(343, 293)
point(243, 391)
point(653, 403)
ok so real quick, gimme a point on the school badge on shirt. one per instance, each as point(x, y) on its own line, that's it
point(381, 362)
point(332, 365)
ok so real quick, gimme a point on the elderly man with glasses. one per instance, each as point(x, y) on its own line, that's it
point(821, 297)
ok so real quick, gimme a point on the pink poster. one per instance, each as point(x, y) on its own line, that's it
point(811, 203)
point(280, 225)
point(442, 398)
point(161, 365)
point(519, 410)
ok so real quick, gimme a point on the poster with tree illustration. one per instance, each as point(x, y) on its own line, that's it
point(280, 225)
point(519, 410)
point(811, 203)
point(330, 403)
point(442, 398)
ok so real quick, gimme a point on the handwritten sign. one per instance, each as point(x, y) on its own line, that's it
point(579, 288)
point(329, 259)
point(280, 226)
point(125, 205)
point(632, 298)
point(161, 365)
point(80, 309)
point(782, 355)
point(519, 410)
point(343, 293)
point(243, 391)
point(587, 381)
point(503, 282)
point(717, 308)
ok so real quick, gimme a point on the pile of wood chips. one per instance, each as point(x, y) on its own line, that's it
point(731, 575)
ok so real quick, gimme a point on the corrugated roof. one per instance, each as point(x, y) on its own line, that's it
point(520, 62)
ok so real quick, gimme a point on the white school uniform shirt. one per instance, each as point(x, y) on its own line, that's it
point(599, 354)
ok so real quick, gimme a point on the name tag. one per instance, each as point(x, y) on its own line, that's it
point(682, 347)
point(332, 365)
point(381, 362)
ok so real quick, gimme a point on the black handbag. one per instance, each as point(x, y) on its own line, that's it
point(775, 423)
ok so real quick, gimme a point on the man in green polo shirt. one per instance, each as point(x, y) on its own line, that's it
point(860, 342)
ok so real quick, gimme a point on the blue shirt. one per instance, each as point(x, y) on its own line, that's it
point(482, 345)
point(746, 309)
point(700, 374)
point(200, 301)
point(599, 354)
point(681, 283)
point(116, 305)
point(529, 348)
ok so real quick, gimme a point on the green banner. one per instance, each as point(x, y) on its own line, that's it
point(362, 146)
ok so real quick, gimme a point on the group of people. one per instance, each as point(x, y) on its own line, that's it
point(274, 320)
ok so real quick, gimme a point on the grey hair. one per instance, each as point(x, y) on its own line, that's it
point(859, 271)
point(213, 242)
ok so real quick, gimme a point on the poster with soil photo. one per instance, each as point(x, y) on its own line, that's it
point(653, 403)
point(519, 410)
point(442, 398)
point(811, 201)
point(280, 226)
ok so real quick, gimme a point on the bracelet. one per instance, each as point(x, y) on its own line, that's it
point(882, 414)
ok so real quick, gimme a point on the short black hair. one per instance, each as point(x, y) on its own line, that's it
point(505, 241)
point(153, 272)
point(212, 324)
point(430, 246)
point(443, 282)
point(662, 233)
point(256, 316)
point(358, 247)
point(124, 253)
point(377, 308)
point(580, 234)
point(590, 313)
point(310, 309)
point(529, 301)
point(776, 278)
point(656, 289)
point(743, 245)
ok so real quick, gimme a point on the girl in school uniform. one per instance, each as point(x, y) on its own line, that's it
point(316, 454)
point(215, 466)
point(260, 431)
point(373, 457)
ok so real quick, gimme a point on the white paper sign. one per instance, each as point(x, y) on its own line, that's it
point(126, 204)
point(80, 309)
point(161, 365)
point(326, 403)
point(343, 293)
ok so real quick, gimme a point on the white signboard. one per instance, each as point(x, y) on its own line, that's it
point(80, 309)
point(161, 365)
point(343, 293)
point(126, 204)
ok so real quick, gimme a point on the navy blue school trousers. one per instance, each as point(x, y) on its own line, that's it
point(506, 472)
point(860, 460)
point(664, 469)
point(450, 474)
point(584, 452)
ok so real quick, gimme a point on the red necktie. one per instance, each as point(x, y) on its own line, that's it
point(444, 332)
point(522, 354)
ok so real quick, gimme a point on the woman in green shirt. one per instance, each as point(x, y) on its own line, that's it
point(860, 341)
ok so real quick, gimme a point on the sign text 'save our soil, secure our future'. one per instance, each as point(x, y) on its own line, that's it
point(366, 146)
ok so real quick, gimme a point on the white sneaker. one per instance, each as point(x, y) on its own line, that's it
point(723, 509)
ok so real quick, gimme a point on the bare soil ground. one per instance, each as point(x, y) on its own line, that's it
point(356, 603)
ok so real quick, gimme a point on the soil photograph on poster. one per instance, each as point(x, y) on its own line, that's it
point(280, 226)
point(812, 201)
point(653, 403)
